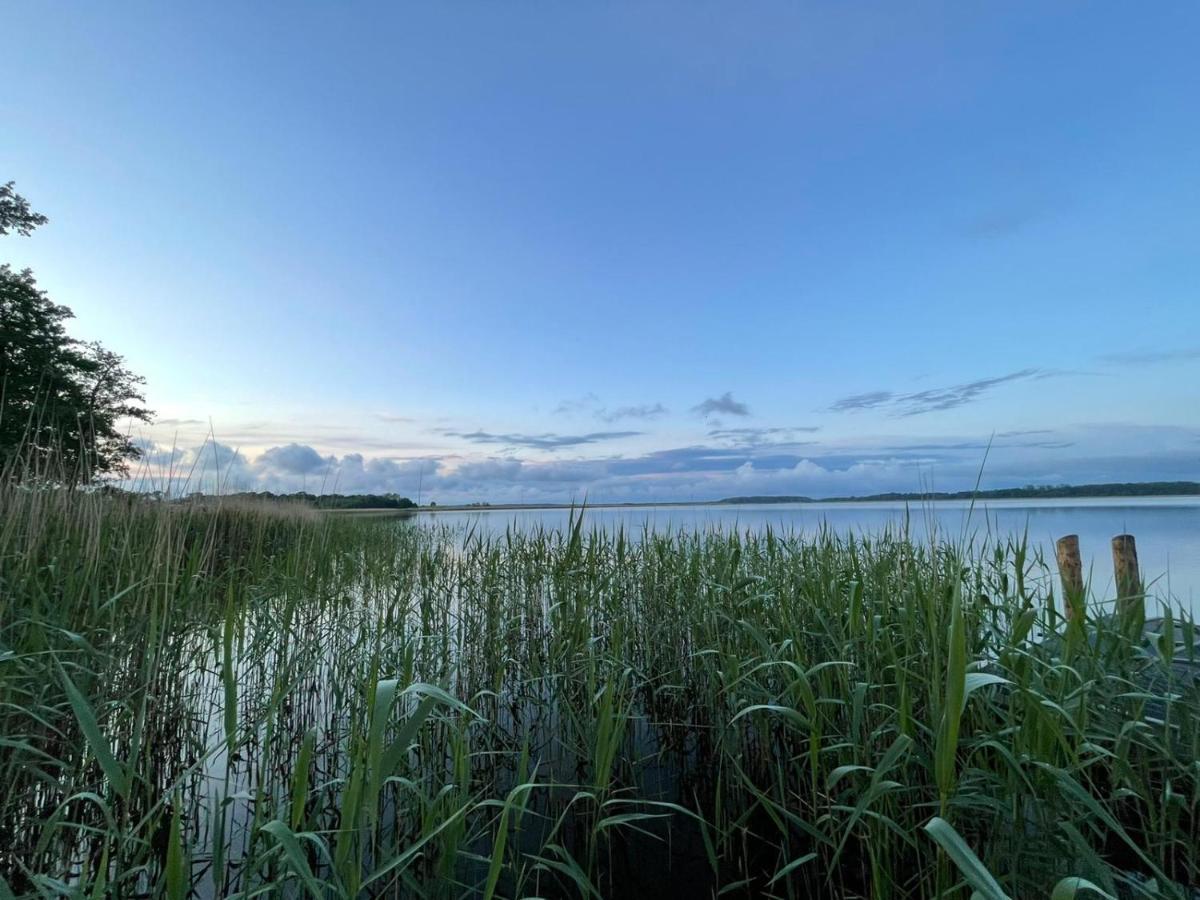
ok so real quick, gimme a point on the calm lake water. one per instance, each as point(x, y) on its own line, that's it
point(1167, 529)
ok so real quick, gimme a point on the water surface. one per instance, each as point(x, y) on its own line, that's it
point(1167, 529)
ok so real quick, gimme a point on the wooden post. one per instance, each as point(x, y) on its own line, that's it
point(1129, 582)
point(1070, 568)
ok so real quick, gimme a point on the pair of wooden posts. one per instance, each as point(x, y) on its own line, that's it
point(1125, 572)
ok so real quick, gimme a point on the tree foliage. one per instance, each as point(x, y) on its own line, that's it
point(63, 402)
point(333, 501)
point(15, 214)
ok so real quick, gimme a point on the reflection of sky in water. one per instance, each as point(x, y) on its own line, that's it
point(1167, 528)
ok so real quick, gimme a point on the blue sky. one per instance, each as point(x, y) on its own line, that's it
point(633, 251)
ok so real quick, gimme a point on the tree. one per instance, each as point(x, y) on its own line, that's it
point(15, 214)
point(62, 401)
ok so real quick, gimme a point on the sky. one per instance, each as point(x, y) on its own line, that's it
point(625, 251)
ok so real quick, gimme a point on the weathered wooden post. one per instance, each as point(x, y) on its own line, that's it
point(1070, 568)
point(1130, 597)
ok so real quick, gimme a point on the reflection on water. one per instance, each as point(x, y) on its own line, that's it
point(1167, 528)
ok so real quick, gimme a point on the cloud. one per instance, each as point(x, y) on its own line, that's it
point(356, 474)
point(213, 466)
point(980, 445)
point(645, 411)
point(590, 404)
point(723, 405)
point(869, 400)
point(153, 453)
point(935, 399)
point(503, 471)
point(1150, 357)
point(260, 434)
point(957, 395)
point(295, 459)
point(389, 417)
point(586, 403)
point(213, 456)
point(1078, 454)
point(757, 437)
point(546, 441)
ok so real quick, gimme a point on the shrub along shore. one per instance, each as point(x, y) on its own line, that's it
point(237, 699)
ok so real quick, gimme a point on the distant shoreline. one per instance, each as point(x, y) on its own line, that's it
point(1165, 489)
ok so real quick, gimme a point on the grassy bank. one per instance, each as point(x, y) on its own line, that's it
point(238, 700)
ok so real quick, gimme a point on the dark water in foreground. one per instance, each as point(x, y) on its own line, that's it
point(1167, 528)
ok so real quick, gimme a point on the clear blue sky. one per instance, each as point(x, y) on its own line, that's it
point(636, 251)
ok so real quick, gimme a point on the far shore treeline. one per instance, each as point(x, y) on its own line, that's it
point(330, 501)
point(1029, 492)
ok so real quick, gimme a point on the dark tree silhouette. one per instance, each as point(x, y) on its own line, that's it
point(15, 214)
point(62, 401)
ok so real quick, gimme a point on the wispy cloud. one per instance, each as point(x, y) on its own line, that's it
point(723, 405)
point(259, 434)
point(545, 441)
point(757, 437)
point(869, 400)
point(645, 411)
point(959, 394)
point(979, 445)
point(586, 403)
point(590, 404)
point(934, 399)
point(1151, 357)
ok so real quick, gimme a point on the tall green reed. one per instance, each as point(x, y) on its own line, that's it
point(229, 700)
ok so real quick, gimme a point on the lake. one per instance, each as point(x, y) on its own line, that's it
point(1167, 529)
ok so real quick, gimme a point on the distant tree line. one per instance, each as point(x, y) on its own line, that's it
point(769, 498)
point(63, 402)
point(330, 501)
point(1030, 491)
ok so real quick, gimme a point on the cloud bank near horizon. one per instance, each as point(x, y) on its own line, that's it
point(729, 451)
point(709, 471)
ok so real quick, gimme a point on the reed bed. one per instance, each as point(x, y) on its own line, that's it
point(218, 700)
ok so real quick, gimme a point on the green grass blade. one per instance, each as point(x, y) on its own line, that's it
point(86, 717)
point(972, 869)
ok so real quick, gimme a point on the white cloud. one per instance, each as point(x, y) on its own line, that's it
point(1099, 452)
